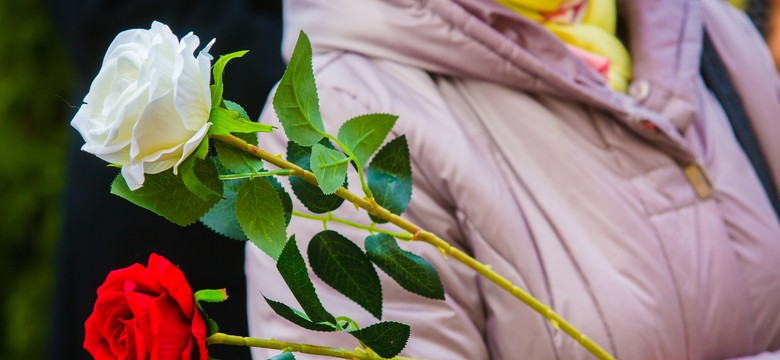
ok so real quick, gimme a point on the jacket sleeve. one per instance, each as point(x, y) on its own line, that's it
point(450, 329)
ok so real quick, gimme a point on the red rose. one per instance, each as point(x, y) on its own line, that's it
point(146, 313)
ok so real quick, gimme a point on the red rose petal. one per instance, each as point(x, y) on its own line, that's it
point(172, 279)
point(103, 352)
point(140, 304)
point(143, 313)
point(115, 339)
point(95, 343)
point(170, 329)
point(188, 348)
point(199, 333)
point(139, 341)
point(137, 273)
point(92, 336)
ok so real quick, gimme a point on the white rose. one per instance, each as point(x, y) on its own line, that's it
point(148, 107)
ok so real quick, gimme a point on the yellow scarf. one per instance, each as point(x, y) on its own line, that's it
point(594, 31)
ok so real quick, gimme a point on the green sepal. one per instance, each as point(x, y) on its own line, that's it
point(295, 274)
point(211, 295)
point(310, 195)
point(365, 133)
point(211, 327)
point(202, 150)
point(225, 122)
point(297, 317)
point(389, 177)
point(248, 137)
point(411, 271)
point(295, 101)
point(166, 195)
point(217, 70)
point(261, 215)
point(230, 105)
point(283, 356)
point(329, 167)
point(387, 338)
point(343, 265)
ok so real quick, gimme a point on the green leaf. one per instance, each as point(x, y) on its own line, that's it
point(211, 295)
point(250, 138)
point(284, 197)
point(237, 161)
point(230, 105)
point(187, 172)
point(283, 356)
point(221, 218)
point(295, 101)
point(310, 195)
point(412, 272)
point(294, 272)
point(217, 70)
point(261, 216)
point(193, 182)
point(297, 317)
point(389, 177)
point(329, 167)
point(343, 265)
point(365, 133)
point(166, 195)
point(225, 122)
point(386, 338)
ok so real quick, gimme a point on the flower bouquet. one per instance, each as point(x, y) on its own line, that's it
point(156, 111)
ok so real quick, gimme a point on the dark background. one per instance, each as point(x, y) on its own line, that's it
point(61, 231)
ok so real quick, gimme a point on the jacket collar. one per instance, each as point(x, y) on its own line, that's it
point(492, 43)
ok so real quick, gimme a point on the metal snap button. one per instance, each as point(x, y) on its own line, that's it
point(639, 89)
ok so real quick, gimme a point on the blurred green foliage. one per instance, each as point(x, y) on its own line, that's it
point(34, 81)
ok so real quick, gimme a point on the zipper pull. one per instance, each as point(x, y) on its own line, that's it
point(701, 182)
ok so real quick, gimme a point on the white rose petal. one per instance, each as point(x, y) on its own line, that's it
point(148, 108)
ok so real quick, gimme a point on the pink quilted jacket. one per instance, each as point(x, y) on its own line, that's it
point(525, 159)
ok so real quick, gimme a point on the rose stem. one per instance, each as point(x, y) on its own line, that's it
point(225, 339)
point(422, 235)
point(330, 217)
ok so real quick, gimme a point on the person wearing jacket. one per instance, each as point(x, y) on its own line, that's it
point(628, 181)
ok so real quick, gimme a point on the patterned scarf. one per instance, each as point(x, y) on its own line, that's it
point(588, 29)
